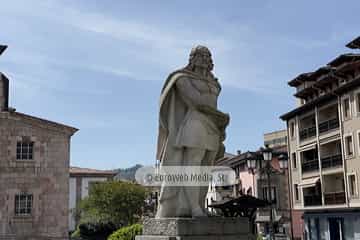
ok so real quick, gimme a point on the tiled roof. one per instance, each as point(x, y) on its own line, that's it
point(89, 171)
point(322, 99)
point(300, 78)
point(344, 58)
point(57, 125)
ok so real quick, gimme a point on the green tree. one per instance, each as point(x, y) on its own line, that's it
point(119, 203)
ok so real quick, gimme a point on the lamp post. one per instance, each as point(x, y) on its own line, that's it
point(2, 48)
point(267, 155)
point(283, 162)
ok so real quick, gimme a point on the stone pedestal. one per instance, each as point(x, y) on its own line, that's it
point(204, 228)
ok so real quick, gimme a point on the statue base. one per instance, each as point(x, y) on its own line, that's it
point(202, 228)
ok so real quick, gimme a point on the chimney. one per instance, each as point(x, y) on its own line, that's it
point(238, 152)
point(4, 87)
point(4, 93)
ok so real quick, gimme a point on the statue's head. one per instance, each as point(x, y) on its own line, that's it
point(200, 57)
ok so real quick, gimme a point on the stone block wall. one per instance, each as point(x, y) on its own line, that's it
point(46, 177)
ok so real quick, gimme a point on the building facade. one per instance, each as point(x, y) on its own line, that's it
point(244, 181)
point(324, 149)
point(80, 182)
point(34, 163)
point(288, 222)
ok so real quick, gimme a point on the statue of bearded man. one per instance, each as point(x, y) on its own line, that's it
point(191, 131)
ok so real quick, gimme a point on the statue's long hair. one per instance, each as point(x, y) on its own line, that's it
point(196, 53)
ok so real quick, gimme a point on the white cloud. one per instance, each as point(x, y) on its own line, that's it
point(149, 51)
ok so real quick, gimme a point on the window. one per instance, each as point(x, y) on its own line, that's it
point(358, 140)
point(293, 156)
point(296, 190)
point(24, 150)
point(346, 108)
point(266, 194)
point(352, 185)
point(349, 146)
point(23, 204)
point(292, 129)
point(358, 102)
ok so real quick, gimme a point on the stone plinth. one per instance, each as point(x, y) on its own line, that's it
point(204, 228)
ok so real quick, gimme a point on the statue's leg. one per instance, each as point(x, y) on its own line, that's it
point(194, 157)
point(170, 196)
point(208, 160)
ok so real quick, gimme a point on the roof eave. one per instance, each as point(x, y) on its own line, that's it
point(324, 98)
point(354, 44)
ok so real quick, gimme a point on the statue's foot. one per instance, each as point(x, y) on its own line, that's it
point(198, 212)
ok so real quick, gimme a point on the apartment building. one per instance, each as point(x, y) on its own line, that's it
point(275, 139)
point(324, 148)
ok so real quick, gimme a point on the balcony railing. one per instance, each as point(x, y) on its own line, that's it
point(312, 200)
point(328, 125)
point(331, 161)
point(307, 132)
point(310, 165)
point(334, 198)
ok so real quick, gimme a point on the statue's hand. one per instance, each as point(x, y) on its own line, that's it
point(220, 119)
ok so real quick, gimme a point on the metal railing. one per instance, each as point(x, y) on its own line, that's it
point(328, 125)
point(334, 198)
point(310, 165)
point(307, 132)
point(331, 161)
point(312, 200)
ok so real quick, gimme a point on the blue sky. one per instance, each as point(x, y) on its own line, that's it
point(99, 65)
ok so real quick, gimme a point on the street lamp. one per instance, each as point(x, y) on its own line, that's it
point(267, 170)
point(283, 161)
point(2, 48)
point(251, 163)
point(267, 154)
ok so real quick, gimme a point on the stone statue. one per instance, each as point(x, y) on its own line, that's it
point(191, 131)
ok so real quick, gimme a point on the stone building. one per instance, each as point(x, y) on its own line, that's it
point(34, 174)
point(80, 182)
point(324, 148)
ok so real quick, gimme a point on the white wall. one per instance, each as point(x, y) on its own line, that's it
point(85, 184)
point(84, 193)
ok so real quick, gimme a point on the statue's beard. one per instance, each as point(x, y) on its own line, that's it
point(206, 68)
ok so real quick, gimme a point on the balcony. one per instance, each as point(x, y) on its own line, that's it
point(307, 127)
point(310, 165)
point(328, 125)
point(334, 189)
point(331, 161)
point(334, 198)
point(307, 133)
point(312, 200)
